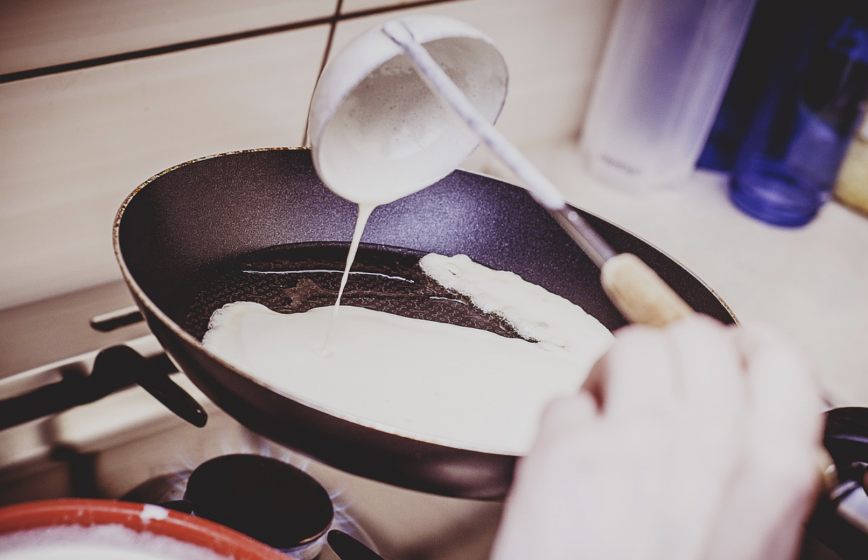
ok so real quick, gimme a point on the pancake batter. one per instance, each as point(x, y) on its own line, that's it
point(442, 383)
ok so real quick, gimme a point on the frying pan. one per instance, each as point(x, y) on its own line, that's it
point(177, 228)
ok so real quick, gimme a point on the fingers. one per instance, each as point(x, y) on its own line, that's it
point(783, 433)
point(709, 365)
point(785, 413)
point(566, 417)
point(783, 392)
point(569, 413)
point(718, 424)
point(709, 426)
point(637, 375)
point(713, 366)
point(696, 360)
point(726, 375)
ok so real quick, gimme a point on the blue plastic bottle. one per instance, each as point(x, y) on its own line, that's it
point(812, 102)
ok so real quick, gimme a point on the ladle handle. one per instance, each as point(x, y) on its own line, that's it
point(639, 293)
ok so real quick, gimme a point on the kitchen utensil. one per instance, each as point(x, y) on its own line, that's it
point(350, 548)
point(350, 108)
point(182, 225)
point(114, 368)
point(142, 518)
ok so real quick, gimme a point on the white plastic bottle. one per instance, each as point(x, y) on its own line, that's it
point(665, 70)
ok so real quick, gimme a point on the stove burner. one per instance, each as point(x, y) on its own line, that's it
point(346, 546)
point(262, 497)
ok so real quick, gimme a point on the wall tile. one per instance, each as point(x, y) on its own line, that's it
point(75, 144)
point(38, 33)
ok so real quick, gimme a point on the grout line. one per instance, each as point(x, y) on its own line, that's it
point(156, 51)
point(334, 25)
point(384, 9)
point(206, 42)
point(305, 141)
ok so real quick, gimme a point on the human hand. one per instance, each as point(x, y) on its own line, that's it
point(693, 442)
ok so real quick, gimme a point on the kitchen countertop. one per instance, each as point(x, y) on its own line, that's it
point(811, 283)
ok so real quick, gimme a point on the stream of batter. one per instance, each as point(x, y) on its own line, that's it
point(365, 211)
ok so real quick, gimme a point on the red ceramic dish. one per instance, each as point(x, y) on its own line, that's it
point(138, 517)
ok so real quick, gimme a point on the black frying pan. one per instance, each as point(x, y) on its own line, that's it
point(177, 232)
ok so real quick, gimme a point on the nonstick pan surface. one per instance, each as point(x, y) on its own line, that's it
point(191, 224)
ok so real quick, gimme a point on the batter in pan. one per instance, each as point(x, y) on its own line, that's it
point(433, 381)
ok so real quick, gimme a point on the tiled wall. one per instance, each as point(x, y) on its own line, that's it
point(97, 95)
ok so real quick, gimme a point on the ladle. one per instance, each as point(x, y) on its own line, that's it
point(377, 137)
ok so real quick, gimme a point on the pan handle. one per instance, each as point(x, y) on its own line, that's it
point(837, 520)
point(113, 320)
point(123, 359)
point(846, 439)
point(639, 293)
point(115, 368)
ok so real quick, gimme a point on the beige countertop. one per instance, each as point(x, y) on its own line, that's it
point(811, 283)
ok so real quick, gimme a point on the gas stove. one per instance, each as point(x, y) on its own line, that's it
point(76, 425)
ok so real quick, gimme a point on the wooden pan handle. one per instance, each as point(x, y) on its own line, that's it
point(639, 294)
